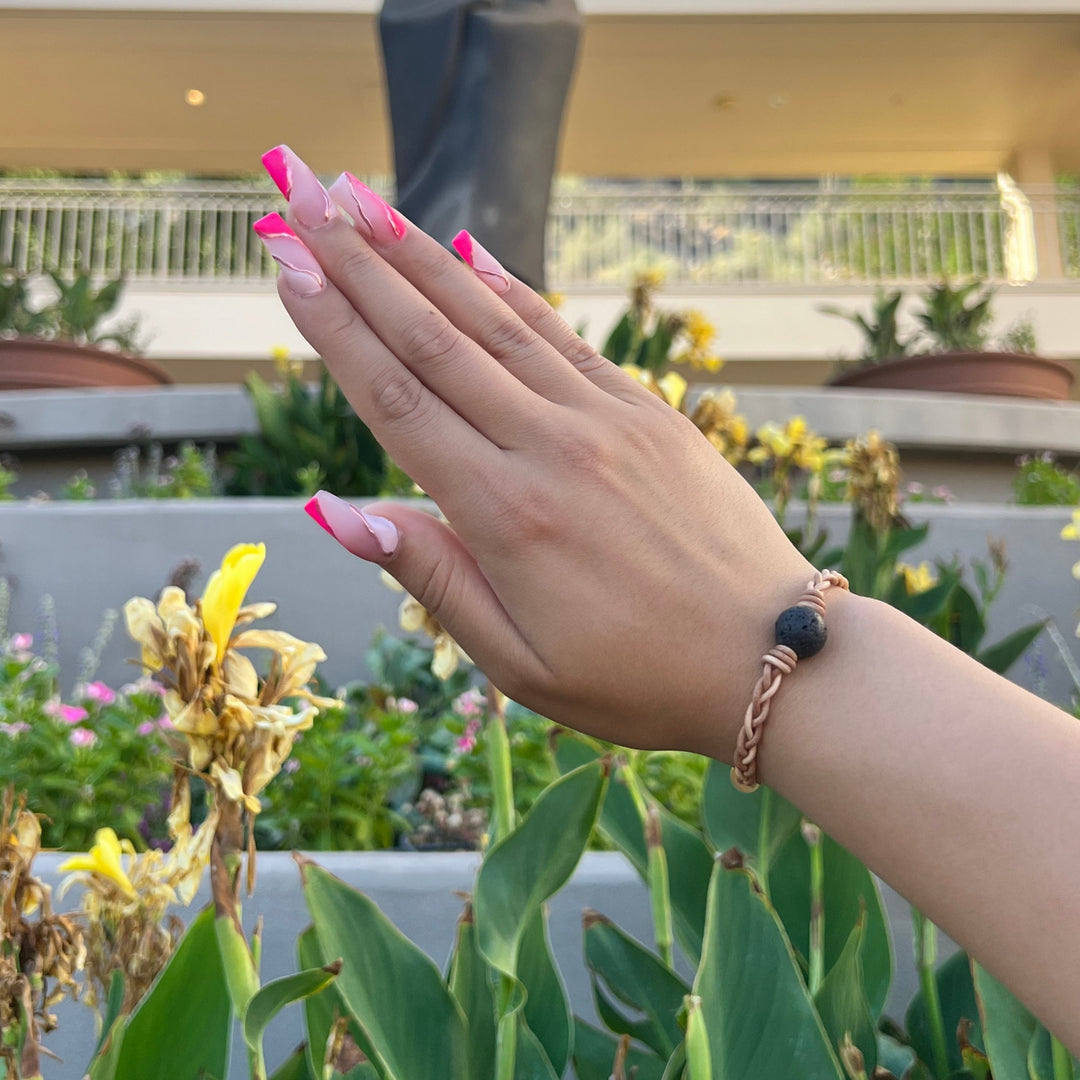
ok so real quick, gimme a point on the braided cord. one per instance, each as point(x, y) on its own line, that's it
point(779, 661)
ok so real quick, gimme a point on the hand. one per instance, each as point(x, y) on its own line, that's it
point(602, 563)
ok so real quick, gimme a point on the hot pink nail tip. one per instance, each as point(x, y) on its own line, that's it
point(299, 267)
point(381, 221)
point(276, 163)
point(273, 225)
point(366, 535)
point(308, 199)
point(483, 263)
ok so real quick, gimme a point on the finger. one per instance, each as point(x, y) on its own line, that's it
point(431, 563)
point(430, 441)
point(444, 358)
point(537, 314)
point(474, 309)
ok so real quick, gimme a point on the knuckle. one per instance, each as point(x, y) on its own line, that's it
point(399, 398)
point(585, 358)
point(436, 585)
point(508, 336)
point(430, 339)
point(356, 263)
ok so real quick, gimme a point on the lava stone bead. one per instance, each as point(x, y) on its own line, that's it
point(801, 629)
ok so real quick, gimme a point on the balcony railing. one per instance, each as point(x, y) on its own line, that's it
point(597, 235)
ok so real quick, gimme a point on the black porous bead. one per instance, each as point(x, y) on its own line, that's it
point(801, 629)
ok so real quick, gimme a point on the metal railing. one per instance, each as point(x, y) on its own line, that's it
point(597, 235)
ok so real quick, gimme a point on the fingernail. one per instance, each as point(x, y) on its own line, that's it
point(299, 268)
point(375, 218)
point(486, 267)
point(308, 199)
point(367, 535)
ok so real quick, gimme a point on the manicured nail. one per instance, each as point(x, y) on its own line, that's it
point(367, 535)
point(375, 218)
point(299, 268)
point(308, 199)
point(486, 267)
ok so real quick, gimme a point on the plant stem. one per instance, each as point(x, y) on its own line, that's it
point(925, 956)
point(634, 786)
point(506, 1034)
point(502, 781)
point(764, 827)
point(659, 886)
point(812, 835)
point(1062, 1059)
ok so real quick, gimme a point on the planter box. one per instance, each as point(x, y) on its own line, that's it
point(36, 364)
point(418, 892)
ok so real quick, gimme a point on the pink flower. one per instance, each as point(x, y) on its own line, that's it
point(81, 736)
point(70, 714)
point(99, 692)
point(469, 704)
point(21, 642)
point(164, 722)
point(147, 727)
point(467, 742)
point(11, 730)
point(402, 705)
point(291, 765)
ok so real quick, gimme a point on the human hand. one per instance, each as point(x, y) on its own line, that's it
point(601, 562)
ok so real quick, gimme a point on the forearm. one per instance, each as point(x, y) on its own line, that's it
point(954, 785)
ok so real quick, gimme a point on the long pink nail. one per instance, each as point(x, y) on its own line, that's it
point(373, 215)
point(367, 535)
point(299, 268)
point(486, 267)
point(308, 199)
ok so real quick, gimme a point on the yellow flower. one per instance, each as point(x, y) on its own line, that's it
point(225, 592)
point(917, 579)
point(414, 617)
point(1072, 530)
point(104, 858)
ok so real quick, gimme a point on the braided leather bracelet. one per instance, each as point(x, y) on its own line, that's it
point(800, 633)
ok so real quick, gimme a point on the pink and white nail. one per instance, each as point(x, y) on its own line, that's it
point(374, 217)
point(299, 268)
point(308, 199)
point(486, 267)
point(367, 535)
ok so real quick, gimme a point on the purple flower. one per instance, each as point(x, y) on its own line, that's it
point(81, 736)
point(70, 714)
point(11, 730)
point(99, 692)
point(147, 727)
point(291, 765)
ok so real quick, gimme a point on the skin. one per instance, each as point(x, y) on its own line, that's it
point(605, 566)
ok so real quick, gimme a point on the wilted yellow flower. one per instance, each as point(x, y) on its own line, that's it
point(699, 335)
point(874, 479)
point(413, 617)
point(917, 579)
point(670, 387)
point(715, 417)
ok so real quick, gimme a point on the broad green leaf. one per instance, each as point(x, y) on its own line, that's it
point(547, 1009)
point(966, 626)
point(699, 1042)
point(925, 605)
point(394, 990)
point(530, 1060)
point(957, 993)
point(894, 1056)
point(1005, 653)
point(322, 1010)
point(533, 862)
point(180, 1030)
point(594, 1055)
point(900, 540)
point(849, 888)
point(756, 1011)
point(274, 996)
point(688, 855)
point(1007, 1026)
point(240, 975)
point(107, 1056)
point(841, 1002)
point(113, 1005)
point(1040, 1058)
point(624, 970)
point(471, 984)
point(294, 1067)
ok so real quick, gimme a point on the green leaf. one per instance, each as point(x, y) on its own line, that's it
point(924, 606)
point(849, 888)
point(894, 1056)
point(113, 1005)
point(533, 862)
point(900, 540)
point(394, 990)
point(699, 1042)
point(1040, 1058)
point(687, 853)
point(1005, 653)
point(841, 1002)
point(294, 1067)
point(594, 1055)
point(757, 1015)
point(530, 1060)
point(624, 970)
point(957, 993)
point(322, 1010)
point(240, 974)
point(471, 984)
point(547, 1009)
point(180, 1029)
point(275, 995)
point(966, 627)
point(1007, 1026)
point(617, 346)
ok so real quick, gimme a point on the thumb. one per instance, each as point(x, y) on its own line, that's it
point(428, 559)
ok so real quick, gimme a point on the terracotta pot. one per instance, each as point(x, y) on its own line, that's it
point(33, 364)
point(1014, 374)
